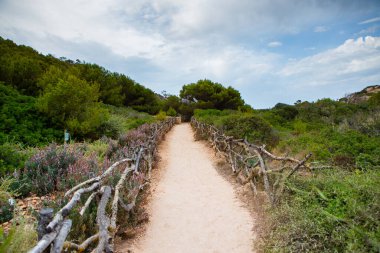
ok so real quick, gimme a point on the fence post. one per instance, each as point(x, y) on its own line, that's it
point(46, 216)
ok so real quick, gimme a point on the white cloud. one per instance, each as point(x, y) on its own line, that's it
point(320, 29)
point(275, 44)
point(372, 20)
point(166, 43)
point(369, 30)
point(358, 59)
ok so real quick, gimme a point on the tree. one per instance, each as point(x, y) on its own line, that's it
point(171, 101)
point(74, 103)
point(208, 94)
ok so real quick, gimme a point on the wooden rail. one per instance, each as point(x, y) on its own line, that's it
point(136, 173)
point(251, 162)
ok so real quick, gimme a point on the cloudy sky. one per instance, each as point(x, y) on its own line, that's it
point(271, 51)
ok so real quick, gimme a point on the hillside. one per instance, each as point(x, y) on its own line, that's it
point(362, 96)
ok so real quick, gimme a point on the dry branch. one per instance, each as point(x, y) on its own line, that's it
point(98, 178)
point(88, 202)
point(58, 242)
point(83, 246)
point(44, 242)
point(66, 209)
point(103, 220)
point(238, 151)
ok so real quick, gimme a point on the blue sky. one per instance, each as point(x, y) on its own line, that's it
point(271, 51)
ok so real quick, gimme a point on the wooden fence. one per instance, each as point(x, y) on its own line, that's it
point(250, 162)
point(136, 173)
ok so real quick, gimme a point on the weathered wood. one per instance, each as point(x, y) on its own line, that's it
point(265, 176)
point(98, 178)
point(88, 202)
point(45, 217)
point(58, 242)
point(66, 209)
point(301, 163)
point(115, 202)
point(83, 246)
point(102, 220)
point(44, 243)
point(128, 207)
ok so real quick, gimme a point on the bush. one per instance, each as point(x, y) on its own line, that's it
point(171, 112)
point(333, 211)
point(161, 115)
point(45, 169)
point(12, 157)
point(21, 122)
point(255, 129)
point(240, 125)
point(6, 193)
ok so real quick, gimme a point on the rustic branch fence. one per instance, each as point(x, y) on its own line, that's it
point(136, 174)
point(251, 162)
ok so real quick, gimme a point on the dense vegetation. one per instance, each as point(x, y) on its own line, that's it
point(332, 209)
point(206, 94)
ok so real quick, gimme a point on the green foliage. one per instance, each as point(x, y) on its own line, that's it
point(206, 94)
point(171, 102)
point(171, 112)
point(20, 120)
point(329, 145)
point(240, 125)
point(74, 103)
point(332, 211)
point(161, 116)
point(374, 100)
point(99, 148)
point(21, 66)
point(122, 120)
point(12, 157)
point(218, 97)
point(6, 193)
point(110, 83)
point(287, 112)
point(254, 128)
point(20, 238)
point(30, 72)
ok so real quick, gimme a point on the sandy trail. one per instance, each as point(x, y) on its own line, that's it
point(193, 208)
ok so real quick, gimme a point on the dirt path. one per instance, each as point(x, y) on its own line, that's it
point(193, 208)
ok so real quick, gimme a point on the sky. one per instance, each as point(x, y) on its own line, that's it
point(271, 51)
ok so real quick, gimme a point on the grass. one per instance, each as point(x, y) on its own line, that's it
point(330, 211)
point(20, 238)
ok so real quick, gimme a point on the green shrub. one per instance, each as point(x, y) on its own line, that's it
point(333, 211)
point(161, 115)
point(240, 125)
point(287, 112)
point(171, 112)
point(6, 193)
point(254, 128)
point(21, 122)
point(12, 157)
